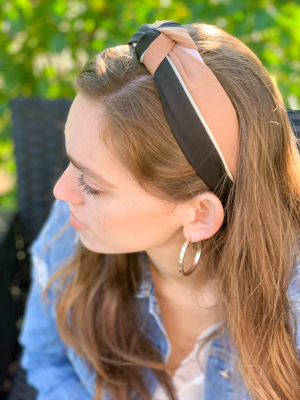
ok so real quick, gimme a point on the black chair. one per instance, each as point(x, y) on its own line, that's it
point(38, 137)
point(294, 116)
point(40, 155)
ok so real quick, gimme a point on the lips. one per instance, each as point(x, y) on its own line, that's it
point(76, 218)
point(76, 223)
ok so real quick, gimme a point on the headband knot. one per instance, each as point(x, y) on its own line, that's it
point(199, 111)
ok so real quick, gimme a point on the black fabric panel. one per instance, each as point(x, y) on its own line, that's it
point(170, 24)
point(145, 41)
point(187, 128)
point(139, 33)
point(143, 37)
point(147, 34)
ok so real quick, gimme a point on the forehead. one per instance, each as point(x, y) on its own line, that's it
point(85, 114)
point(83, 131)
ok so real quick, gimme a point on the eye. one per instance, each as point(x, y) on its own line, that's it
point(90, 191)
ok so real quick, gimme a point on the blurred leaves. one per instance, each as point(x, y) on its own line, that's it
point(44, 44)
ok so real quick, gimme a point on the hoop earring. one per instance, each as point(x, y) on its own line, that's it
point(182, 255)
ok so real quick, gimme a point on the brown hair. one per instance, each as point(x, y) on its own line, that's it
point(251, 258)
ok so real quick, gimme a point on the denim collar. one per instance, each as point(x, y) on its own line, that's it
point(147, 282)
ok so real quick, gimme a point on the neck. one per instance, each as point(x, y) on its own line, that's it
point(164, 264)
point(193, 295)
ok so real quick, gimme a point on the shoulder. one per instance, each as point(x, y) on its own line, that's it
point(294, 287)
point(55, 243)
point(294, 297)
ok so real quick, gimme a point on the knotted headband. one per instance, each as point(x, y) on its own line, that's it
point(199, 112)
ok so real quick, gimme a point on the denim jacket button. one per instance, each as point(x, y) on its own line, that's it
point(225, 373)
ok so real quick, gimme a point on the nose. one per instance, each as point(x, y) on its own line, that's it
point(66, 189)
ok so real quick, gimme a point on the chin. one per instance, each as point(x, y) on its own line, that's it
point(89, 244)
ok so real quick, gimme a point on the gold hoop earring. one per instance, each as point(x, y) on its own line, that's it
point(181, 257)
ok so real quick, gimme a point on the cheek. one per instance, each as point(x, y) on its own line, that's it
point(127, 225)
point(127, 216)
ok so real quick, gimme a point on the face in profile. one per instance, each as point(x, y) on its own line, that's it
point(118, 215)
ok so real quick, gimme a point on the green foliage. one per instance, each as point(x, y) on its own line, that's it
point(44, 44)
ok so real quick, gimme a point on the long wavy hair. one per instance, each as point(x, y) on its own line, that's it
point(251, 259)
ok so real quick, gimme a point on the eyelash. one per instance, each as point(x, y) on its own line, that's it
point(90, 191)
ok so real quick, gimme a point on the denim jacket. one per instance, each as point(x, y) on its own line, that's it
point(58, 373)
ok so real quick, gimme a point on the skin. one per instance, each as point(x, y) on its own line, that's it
point(128, 219)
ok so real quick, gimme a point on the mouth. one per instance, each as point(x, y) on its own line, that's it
point(76, 223)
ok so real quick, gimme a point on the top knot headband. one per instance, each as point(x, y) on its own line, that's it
point(199, 112)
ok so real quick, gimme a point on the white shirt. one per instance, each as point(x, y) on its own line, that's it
point(189, 377)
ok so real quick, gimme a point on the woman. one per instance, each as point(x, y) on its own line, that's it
point(178, 276)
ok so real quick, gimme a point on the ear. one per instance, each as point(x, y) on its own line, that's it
point(205, 215)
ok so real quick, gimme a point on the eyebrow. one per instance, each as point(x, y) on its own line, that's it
point(90, 173)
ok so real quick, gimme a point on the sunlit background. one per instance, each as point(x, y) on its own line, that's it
point(43, 45)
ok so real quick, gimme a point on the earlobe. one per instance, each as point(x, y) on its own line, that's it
point(207, 217)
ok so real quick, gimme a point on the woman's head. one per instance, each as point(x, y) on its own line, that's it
point(125, 137)
point(123, 217)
